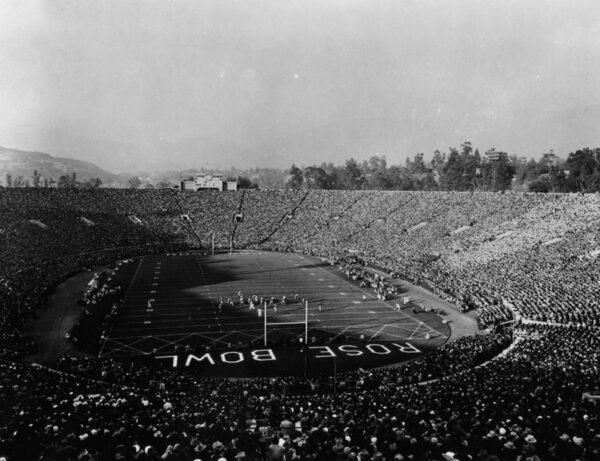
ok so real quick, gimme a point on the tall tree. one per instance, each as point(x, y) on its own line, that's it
point(134, 182)
point(417, 166)
point(350, 176)
point(376, 172)
point(316, 178)
point(64, 181)
point(36, 178)
point(584, 170)
point(295, 178)
point(451, 178)
point(438, 160)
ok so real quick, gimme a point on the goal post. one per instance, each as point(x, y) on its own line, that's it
point(267, 323)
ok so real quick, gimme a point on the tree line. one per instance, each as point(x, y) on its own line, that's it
point(460, 169)
point(66, 181)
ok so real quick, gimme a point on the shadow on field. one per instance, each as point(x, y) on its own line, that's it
point(188, 320)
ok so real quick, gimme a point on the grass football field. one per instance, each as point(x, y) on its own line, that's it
point(171, 315)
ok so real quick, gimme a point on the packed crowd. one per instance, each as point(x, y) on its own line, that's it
point(536, 251)
point(535, 256)
point(537, 400)
point(48, 235)
point(472, 249)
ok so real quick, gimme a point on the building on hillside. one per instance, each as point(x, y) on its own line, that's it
point(206, 181)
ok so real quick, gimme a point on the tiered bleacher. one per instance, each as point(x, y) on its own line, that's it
point(528, 392)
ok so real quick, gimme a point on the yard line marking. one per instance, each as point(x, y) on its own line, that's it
point(388, 304)
point(177, 303)
point(416, 329)
point(378, 331)
point(135, 274)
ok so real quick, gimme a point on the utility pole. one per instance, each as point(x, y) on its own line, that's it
point(494, 158)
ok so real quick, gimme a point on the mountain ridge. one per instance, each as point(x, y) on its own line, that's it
point(23, 163)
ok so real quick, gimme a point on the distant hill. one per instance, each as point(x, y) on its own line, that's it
point(21, 163)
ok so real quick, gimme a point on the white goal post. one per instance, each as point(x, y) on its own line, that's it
point(305, 323)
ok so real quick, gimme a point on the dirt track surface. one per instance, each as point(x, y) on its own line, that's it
point(59, 316)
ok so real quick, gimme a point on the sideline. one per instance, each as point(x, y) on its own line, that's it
point(460, 323)
point(57, 318)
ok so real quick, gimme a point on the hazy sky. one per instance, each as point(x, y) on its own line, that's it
point(162, 84)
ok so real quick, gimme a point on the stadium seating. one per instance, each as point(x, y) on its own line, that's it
point(528, 392)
